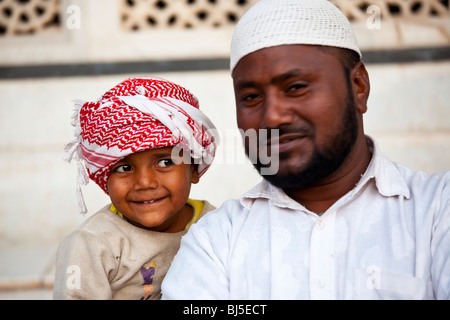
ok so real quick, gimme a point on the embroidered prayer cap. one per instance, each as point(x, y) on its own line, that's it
point(137, 115)
point(272, 23)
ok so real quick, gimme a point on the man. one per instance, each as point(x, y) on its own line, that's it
point(337, 220)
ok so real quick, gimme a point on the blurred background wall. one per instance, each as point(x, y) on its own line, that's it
point(55, 51)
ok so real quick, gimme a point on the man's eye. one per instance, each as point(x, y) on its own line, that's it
point(165, 163)
point(123, 168)
point(296, 87)
point(249, 97)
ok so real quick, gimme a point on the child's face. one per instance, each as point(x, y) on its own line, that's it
point(150, 190)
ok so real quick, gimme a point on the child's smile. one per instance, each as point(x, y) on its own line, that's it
point(150, 189)
point(149, 203)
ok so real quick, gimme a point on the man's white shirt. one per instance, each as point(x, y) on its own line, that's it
point(388, 238)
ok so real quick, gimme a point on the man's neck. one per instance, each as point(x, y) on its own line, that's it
point(321, 196)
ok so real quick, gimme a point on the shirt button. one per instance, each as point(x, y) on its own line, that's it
point(320, 225)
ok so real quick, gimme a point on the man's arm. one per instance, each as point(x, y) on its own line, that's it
point(200, 269)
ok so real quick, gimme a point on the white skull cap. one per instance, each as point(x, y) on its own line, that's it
point(272, 23)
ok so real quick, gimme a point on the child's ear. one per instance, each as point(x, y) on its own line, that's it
point(195, 175)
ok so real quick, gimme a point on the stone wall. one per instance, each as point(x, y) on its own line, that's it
point(409, 107)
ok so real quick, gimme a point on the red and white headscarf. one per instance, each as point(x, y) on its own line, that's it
point(137, 115)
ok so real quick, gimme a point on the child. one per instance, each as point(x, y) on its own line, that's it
point(143, 142)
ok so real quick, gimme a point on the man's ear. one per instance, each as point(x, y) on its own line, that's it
point(195, 175)
point(361, 86)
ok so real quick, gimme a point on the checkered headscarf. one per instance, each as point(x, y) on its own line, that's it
point(136, 115)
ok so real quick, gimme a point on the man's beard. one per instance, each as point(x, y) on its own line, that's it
point(322, 163)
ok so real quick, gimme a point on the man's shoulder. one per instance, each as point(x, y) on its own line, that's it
point(228, 209)
point(430, 193)
point(418, 179)
point(418, 182)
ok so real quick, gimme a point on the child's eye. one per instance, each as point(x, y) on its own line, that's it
point(123, 168)
point(165, 163)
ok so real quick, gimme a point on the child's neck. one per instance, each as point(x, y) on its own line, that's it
point(181, 219)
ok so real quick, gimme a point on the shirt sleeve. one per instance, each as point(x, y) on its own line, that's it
point(84, 264)
point(440, 246)
point(199, 270)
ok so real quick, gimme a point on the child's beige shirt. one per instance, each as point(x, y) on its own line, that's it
point(109, 258)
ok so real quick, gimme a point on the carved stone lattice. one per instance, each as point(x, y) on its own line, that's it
point(165, 14)
point(425, 13)
point(356, 10)
point(182, 14)
point(28, 16)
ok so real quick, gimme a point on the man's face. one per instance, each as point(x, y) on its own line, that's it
point(304, 93)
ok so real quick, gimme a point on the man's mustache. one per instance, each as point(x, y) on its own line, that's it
point(283, 132)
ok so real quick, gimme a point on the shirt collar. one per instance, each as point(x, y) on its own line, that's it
point(265, 190)
point(388, 180)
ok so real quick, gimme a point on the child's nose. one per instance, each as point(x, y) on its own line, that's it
point(146, 179)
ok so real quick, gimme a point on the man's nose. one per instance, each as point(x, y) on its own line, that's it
point(276, 112)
